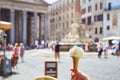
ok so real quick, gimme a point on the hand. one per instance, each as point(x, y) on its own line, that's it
point(77, 75)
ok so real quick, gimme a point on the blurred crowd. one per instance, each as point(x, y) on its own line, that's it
point(8, 47)
point(113, 46)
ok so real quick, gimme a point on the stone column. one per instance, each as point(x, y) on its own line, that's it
point(12, 31)
point(24, 27)
point(40, 24)
point(35, 26)
point(0, 13)
point(45, 27)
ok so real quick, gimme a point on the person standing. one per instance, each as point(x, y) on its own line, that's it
point(57, 51)
point(22, 52)
point(118, 54)
point(105, 48)
point(15, 55)
point(15, 51)
point(100, 49)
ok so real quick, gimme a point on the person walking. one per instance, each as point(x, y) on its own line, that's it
point(57, 51)
point(105, 49)
point(118, 54)
point(15, 55)
point(22, 52)
point(15, 50)
point(100, 49)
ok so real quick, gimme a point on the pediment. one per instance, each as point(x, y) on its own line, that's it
point(41, 2)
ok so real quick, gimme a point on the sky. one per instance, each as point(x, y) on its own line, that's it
point(50, 1)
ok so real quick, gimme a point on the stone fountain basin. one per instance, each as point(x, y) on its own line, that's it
point(67, 46)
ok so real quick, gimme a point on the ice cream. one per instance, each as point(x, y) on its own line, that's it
point(76, 53)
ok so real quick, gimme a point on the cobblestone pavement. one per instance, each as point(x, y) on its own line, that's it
point(96, 69)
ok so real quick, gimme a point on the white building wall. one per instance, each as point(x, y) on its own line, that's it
point(63, 12)
point(107, 23)
point(114, 29)
point(118, 20)
point(94, 24)
point(115, 11)
point(115, 4)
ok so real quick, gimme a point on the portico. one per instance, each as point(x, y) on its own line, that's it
point(27, 20)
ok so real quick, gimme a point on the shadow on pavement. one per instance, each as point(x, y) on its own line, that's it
point(6, 76)
point(14, 73)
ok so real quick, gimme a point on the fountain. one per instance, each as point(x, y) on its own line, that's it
point(72, 36)
point(76, 36)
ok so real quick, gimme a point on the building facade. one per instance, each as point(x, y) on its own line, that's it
point(61, 16)
point(92, 17)
point(28, 18)
point(102, 17)
point(112, 18)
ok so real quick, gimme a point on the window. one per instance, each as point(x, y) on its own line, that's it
point(101, 6)
point(95, 30)
point(109, 6)
point(101, 29)
point(89, 20)
point(89, 8)
point(90, 36)
point(108, 27)
point(59, 18)
point(95, 6)
point(84, 21)
point(108, 16)
point(100, 17)
point(83, 11)
point(95, 18)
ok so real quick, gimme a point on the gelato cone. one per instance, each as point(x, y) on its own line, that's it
point(76, 53)
point(75, 62)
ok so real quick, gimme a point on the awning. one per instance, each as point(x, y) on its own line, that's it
point(5, 25)
point(112, 38)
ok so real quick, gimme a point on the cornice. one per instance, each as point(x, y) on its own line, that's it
point(23, 6)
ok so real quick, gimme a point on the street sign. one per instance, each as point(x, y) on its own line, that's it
point(51, 68)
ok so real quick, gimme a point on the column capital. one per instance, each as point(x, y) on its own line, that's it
point(35, 12)
point(24, 10)
point(12, 10)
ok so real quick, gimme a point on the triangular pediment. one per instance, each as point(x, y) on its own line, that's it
point(41, 2)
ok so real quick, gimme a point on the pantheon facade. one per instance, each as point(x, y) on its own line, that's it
point(28, 18)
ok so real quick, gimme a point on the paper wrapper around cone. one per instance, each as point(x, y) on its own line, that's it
point(5, 25)
point(76, 53)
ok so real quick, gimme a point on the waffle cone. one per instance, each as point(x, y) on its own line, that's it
point(75, 62)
